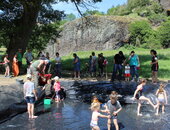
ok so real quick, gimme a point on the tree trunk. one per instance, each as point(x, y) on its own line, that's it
point(23, 29)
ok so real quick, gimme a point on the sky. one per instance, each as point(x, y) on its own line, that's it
point(101, 6)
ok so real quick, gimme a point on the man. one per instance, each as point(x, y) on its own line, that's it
point(30, 96)
point(19, 58)
point(94, 62)
point(37, 67)
point(29, 57)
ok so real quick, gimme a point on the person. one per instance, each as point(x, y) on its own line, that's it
point(57, 88)
point(76, 63)
point(6, 64)
point(47, 88)
point(138, 95)
point(95, 108)
point(100, 64)
point(113, 107)
point(19, 58)
point(127, 72)
point(58, 65)
point(37, 67)
point(161, 98)
point(134, 65)
point(29, 57)
point(15, 67)
point(154, 66)
point(93, 64)
point(40, 55)
point(47, 69)
point(30, 96)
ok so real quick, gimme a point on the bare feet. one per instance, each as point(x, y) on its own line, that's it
point(139, 114)
point(156, 114)
point(163, 112)
point(34, 117)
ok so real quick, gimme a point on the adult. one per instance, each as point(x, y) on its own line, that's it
point(119, 60)
point(19, 58)
point(154, 66)
point(29, 57)
point(30, 96)
point(76, 63)
point(47, 69)
point(100, 64)
point(138, 95)
point(37, 67)
point(6, 64)
point(15, 67)
point(134, 65)
point(58, 65)
point(94, 63)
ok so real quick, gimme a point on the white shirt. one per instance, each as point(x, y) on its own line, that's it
point(127, 69)
point(94, 60)
point(29, 88)
point(58, 60)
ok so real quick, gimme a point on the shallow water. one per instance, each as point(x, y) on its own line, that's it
point(75, 115)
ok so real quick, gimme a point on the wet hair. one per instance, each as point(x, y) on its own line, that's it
point(161, 88)
point(93, 53)
point(94, 106)
point(143, 81)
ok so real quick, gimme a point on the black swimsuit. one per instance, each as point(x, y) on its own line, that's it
point(139, 94)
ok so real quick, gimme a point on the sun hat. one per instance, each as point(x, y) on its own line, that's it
point(29, 76)
point(56, 78)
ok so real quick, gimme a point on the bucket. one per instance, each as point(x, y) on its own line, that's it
point(47, 101)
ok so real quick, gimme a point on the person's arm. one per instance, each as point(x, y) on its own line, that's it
point(156, 61)
point(136, 92)
point(35, 94)
point(104, 116)
point(157, 92)
point(76, 61)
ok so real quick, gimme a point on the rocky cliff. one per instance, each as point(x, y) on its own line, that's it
point(165, 4)
point(91, 33)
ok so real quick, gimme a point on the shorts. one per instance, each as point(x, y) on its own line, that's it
point(154, 68)
point(127, 75)
point(30, 100)
point(93, 124)
point(161, 100)
point(113, 117)
point(6, 65)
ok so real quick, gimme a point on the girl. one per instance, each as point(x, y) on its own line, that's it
point(162, 98)
point(57, 88)
point(154, 66)
point(95, 107)
point(127, 72)
point(7, 68)
point(139, 96)
point(15, 67)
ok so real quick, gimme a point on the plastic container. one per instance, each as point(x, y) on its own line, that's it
point(47, 101)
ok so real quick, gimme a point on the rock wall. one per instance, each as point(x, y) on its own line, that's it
point(165, 4)
point(91, 33)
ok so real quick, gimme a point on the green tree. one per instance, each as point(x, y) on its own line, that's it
point(19, 17)
point(92, 12)
point(70, 17)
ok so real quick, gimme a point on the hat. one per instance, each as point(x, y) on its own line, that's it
point(56, 78)
point(29, 76)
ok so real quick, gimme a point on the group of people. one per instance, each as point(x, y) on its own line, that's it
point(113, 106)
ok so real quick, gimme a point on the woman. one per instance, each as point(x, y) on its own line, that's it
point(138, 95)
point(154, 66)
point(6, 64)
point(134, 64)
point(76, 63)
point(58, 65)
point(15, 67)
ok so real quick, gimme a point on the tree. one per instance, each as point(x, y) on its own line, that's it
point(70, 17)
point(92, 12)
point(19, 17)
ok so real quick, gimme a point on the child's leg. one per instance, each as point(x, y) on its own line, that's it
point(108, 124)
point(163, 108)
point(148, 100)
point(156, 76)
point(116, 124)
point(96, 128)
point(29, 110)
point(157, 110)
point(138, 109)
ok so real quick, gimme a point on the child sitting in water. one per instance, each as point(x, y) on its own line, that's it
point(127, 72)
point(162, 98)
point(113, 107)
point(95, 107)
point(57, 88)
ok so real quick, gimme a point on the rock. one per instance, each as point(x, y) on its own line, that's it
point(91, 33)
point(165, 4)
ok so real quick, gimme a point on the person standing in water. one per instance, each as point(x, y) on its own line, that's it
point(30, 96)
point(95, 108)
point(154, 66)
point(138, 95)
point(162, 99)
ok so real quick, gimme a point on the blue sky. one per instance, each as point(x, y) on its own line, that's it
point(101, 6)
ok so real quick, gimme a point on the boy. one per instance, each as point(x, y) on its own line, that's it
point(30, 96)
point(113, 107)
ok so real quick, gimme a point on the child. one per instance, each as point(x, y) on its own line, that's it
point(57, 88)
point(7, 68)
point(127, 72)
point(95, 107)
point(139, 96)
point(162, 98)
point(47, 88)
point(114, 107)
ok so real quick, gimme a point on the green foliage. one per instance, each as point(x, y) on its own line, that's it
point(70, 17)
point(156, 19)
point(92, 12)
point(164, 34)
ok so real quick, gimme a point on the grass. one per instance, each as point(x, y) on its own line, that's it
point(144, 56)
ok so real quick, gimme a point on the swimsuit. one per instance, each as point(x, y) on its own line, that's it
point(161, 100)
point(93, 123)
point(139, 94)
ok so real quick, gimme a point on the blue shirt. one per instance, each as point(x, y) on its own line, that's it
point(134, 60)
